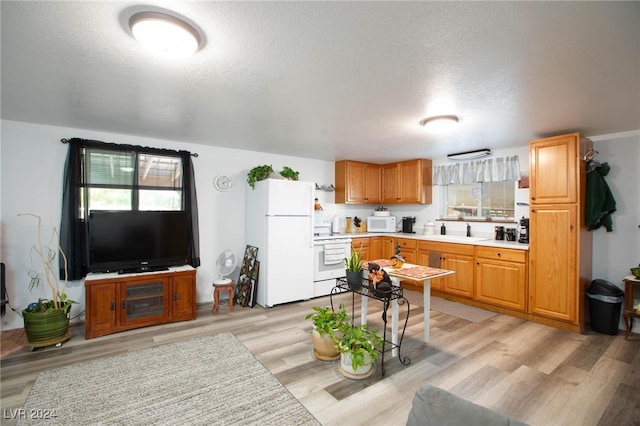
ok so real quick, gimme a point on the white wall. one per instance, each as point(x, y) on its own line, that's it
point(32, 169)
point(32, 160)
point(617, 251)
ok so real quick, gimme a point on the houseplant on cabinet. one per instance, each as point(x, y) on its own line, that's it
point(46, 322)
point(288, 173)
point(326, 329)
point(353, 265)
point(358, 350)
point(259, 173)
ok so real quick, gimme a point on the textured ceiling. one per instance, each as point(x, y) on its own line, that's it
point(330, 80)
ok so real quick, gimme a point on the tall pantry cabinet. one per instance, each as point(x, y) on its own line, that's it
point(559, 241)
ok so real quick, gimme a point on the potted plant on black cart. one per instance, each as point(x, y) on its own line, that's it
point(358, 347)
point(353, 265)
point(46, 322)
point(326, 329)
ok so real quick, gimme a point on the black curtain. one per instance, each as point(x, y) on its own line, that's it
point(74, 228)
point(191, 205)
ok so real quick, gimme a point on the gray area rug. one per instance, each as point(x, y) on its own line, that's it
point(459, 310)
point(212, 380)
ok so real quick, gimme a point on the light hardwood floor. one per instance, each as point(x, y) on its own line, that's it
point(537, 374)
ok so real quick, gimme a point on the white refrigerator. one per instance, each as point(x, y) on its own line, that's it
point(279, 222)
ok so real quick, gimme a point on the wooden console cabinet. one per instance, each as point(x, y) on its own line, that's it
point(116, 303)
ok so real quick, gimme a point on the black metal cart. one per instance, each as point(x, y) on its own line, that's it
point(386, 297)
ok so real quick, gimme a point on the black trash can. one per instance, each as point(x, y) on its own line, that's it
point(605, 303)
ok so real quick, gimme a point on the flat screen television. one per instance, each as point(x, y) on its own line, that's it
point(137, 241)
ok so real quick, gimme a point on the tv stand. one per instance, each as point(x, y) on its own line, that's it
point(143, 269)
point(117, 302)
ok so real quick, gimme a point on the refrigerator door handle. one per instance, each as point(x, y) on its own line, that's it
point(311, 198)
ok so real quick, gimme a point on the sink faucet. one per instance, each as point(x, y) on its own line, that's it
point(468, 230)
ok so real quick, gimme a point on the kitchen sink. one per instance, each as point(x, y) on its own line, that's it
point(454, 238)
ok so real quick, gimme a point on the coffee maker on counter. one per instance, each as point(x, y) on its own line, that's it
point(407, 224)
point(523, 230)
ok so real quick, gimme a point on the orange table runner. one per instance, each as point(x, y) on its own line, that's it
point(382, 262)
point(416, 272)
point(419, 273)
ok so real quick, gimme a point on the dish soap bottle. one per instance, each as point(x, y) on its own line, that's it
point(443, 230)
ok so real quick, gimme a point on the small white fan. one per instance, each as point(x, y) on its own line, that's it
point(225, 264)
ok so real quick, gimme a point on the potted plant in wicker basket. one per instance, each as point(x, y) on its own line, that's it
point(46, 322)
point(326, 329)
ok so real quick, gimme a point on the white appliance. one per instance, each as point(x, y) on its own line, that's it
point(381, 224)
point(279, 222)
point(328, 263)
point(321, 226)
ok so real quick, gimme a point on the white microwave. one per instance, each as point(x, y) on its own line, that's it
point(381, 224)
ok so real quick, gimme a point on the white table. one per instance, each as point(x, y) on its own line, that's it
point(396, 275)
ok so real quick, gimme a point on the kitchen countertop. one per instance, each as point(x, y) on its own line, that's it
point(455, 239)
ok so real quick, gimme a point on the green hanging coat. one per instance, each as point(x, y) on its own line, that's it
point(599, 203)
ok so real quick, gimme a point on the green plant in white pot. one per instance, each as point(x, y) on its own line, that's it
point(326, 329)
point(354, 264)
point(358, 347)
point(46, 322)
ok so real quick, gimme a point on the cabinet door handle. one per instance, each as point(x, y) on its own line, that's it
point(175, 297)
point(498, 254)
point(112, 305)
point(533, 198)
point(123, 304)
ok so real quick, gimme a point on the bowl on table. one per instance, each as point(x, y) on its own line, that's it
point(636, 272)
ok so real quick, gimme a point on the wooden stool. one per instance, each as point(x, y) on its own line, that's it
point(217, 288)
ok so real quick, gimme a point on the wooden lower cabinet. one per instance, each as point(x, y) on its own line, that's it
point(454, 257)
point(555, 284)
point(117, 303)
point(408, 249)
point(460, 283)
point(375, 247)
point(362, 245)
point(388, 246)
point(501, 277)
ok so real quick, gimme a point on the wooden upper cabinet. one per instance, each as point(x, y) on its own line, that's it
point(390, 183)
point(357, 182)
point(554, 168)
point(407, 182)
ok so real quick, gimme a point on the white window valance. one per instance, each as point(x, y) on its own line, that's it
point(469, 172)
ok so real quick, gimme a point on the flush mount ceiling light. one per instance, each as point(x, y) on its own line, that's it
point(440, 121)
point(470, 155)
point(164, 33)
